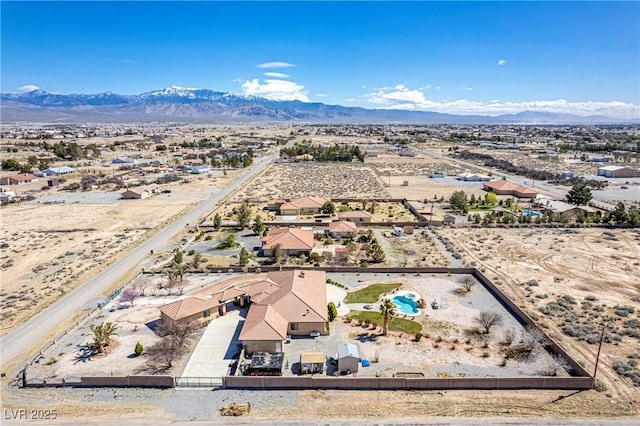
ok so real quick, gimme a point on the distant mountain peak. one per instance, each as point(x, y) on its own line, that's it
point(177, 102)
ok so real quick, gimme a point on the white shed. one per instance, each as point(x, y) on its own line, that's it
point(348, 357)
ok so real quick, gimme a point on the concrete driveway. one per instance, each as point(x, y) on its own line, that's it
point(216, 347)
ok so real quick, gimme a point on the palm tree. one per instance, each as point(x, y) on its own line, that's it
point(102, 334)
point(387, 309)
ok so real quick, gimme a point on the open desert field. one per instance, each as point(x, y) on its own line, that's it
point(571, 281)
point(287, 180)
point(49, 249)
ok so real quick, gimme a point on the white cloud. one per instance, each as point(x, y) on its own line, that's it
point(27, 88)
point(402, 97)
point(468, 89)
point(276, 75)
point(321, 95)
point(437, 87)
point(276, 64)
point(275, 90)
point(501, 62)
point(350, 100)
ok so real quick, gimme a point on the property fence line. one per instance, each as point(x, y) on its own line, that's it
point(401, 383)
point(106, 381)
point(79, 323)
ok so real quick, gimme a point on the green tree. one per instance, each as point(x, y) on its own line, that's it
point(619, 214)
point(228, 242)
point(633, 215)
point(178, 257)
point(459, 200)
point(579, 194)
point(490, 199)
point(217, 221)
point(333, 311)
point(244, 257)
point(243, 215)
point(328, 208)
point(277, 254)
point(138, 350)
point(387, 309)
point(197, 260)
point(258, 226)
point(102, 334)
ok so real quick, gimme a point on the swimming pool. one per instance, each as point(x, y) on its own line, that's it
point(405, 302)
point(531, 213)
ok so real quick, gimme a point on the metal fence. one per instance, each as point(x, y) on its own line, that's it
point(199, 382)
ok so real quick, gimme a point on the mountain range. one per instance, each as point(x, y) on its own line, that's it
point(207, 106)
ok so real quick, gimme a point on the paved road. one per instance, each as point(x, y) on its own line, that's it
point(36, 329)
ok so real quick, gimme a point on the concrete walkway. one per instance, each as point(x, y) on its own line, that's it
point(216, 347)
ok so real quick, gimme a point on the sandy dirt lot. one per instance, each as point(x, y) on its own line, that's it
point(599, 269)
point(48, 249)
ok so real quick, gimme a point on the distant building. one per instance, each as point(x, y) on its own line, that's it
point(504, 187)
point(617, 172)
point(57, 171)
point(140, 192)
point(199, 170)
point(18, 179)
point(472, 177)
point(437, 175)
point(355, 216)
point(370, 153)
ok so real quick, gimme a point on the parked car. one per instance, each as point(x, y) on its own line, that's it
point(368, 306)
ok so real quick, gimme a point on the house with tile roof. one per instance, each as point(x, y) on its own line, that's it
point(18, 179)
point(292, 241)
point(343, 229)
point(302, 205)
point(282, 304)
point(504, 187)
point(297, 297)
point(356, 216)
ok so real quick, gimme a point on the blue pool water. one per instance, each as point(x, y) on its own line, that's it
point(406, 305)
point(531, 213)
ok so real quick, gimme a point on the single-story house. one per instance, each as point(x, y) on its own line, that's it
point(343, 229)
point(370, 153)
point(618, 172)
point(504, 187)
point(348, 358)
point(124, 160)
point(559, 207)
point(53, 182)
point(356, 216)
point(285, 303)
point(140, 192)
point(407, 153)
point(193, 308)
point(292, 241)
point(18, 179)
point(311, 362)
point(57, 171)
point(472, 177)
point(199, 170)
point(302, 205)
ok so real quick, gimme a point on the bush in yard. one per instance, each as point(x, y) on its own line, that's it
point(139, 349)
point(418, 336)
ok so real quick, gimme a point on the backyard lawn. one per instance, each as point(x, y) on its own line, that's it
point(395, 324)
point(370, 294)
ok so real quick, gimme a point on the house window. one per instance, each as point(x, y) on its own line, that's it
point(295, 326)
point(206, 313)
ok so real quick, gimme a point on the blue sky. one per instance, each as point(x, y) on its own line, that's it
point(457, 57)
